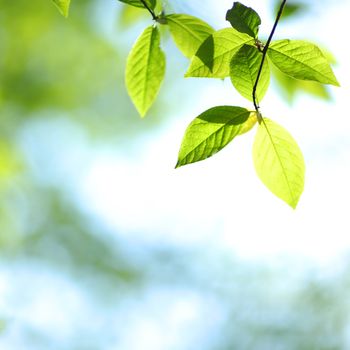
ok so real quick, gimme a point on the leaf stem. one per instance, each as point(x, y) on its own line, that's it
point(264, 52)
point(154, 17)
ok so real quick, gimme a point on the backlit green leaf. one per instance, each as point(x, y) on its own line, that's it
point(145, 69)
point(249, 123)
point(244, 19)
point(290, 87)
point(138, 3)
point(210, 132)
point(212, 60)
point(301, 60)
point(244, 69)
point(188, 32)
point(279, 162)
point(63, 6)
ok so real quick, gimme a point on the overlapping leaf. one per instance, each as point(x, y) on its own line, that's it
point(212, 60)
point(244, 68)
point(138, 3)
point(244, 19)
point(63, 6)
point(145, 69)
point(301, 60)
point(188, 32)
point(279, 162)
point(210, 132)
point(249, 123)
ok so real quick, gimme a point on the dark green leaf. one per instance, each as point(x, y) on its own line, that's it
point(244, 19)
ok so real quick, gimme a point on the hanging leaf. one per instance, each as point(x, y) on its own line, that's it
point(249, 123)
point(210, 132)
point(63, 6)
point(138, 3)
point(279, 162)
point(301, 60)
point(244, 69)
point(244, 19)
point(212, 60)
point(145, 70)
point(188, 32)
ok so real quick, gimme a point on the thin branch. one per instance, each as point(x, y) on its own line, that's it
point(155, 18)
point(264, 52)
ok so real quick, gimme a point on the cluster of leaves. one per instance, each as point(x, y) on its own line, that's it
point(234, 52)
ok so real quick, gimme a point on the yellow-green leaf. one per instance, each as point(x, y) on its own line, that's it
point(301, 60)
point(210, 132)
point(63, 6)
point(188, 32)
point(279, 162)
point(145, 69)
point(213, 57)
point(244, 68)
point(249, 123)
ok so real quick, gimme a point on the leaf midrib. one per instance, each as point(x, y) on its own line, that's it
point(302, 63)
point(215, 132)
point(280, 161)
point(184, 27)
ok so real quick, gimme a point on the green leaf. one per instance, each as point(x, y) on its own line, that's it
point(210, 132)
point(138, 3)
point(279, 162)
point(244, 19)
point(145, 69)
point(249, 123)
point(63, 6)
point(244, 69)
point(301, 60)
point(212, 60)
point(290, 87)
point(188, 32)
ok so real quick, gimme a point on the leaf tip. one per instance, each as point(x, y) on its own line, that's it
point(178, 165)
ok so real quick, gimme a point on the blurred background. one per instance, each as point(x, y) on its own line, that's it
point(103, 245)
